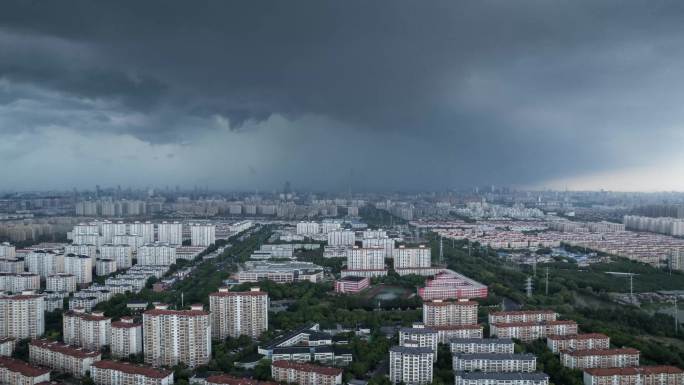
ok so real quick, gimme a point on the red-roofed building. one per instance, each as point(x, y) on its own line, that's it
point(578, 342)
point(641, 375)
point(126, 338)
point(351, 284)
point(226, 379)
point(88, 330)
point(62, 358)
point(174, 336)
point(452, 285)
point(236, 313)
point(530, 331)
point(439, 313)
point(600, 358)
point(18, 372)
point(108, 372)
point(305, 373)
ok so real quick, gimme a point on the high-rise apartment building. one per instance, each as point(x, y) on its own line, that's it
point(145, 230)
point(412, 257)
point(90, 331)
point(22, 316)
point(410, 365)
point(18, 372)
point(174, 336)
point(238, 313)
point(341, 238)
point(19, 282)
point(44, 263)
point(61, 282)
point(157, 254)
point(171, 233)
point(122, 254)
point(439, 313)
point(202, 234)
point(80, 266)
point(126, 338)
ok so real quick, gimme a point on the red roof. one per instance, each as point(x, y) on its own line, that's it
point(230, 380)
point(455, 327)
point(129, 368)
point(534, 323)
point(630, 371)
point(456, 303)
point(22, 367)
point(586, 336)
point(192, 313)
point(601, 352)
point(305, 367)
point(522, 312)
point(125, 325)
point(237, 293)
point(64, 349)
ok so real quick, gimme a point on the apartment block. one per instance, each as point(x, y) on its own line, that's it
point(62, 358)
point(482, 378)
point(482, 345)
point(126, 338)
point(174, 336)
point(122, 254)
point(641, 375)
point(530, 331)
point(61, 282)
point(225, 379)
point(162, 254)
point(447, 333)
point(600, 358)
point(238, 313)
point(451, 285)
point(17, 372)
point(90, 331)
point(81, 266)
point(202, 234)
point(7, 346)
point(412, 257)
point(305, 373)
point(411, 365)
point(107, 372)
point(522, 316)
point(494, 362)
point(171, 233)
point(578, 342)
point(22, 316)
point(440, 313)
point(17, 283)
point(419, 337)
point(44, 263)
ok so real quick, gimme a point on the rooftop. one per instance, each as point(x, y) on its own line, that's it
point(126, 367)
point(305, 367)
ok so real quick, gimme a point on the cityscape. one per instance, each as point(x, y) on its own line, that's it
point(341, 193)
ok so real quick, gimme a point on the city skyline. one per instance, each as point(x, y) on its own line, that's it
point(389, 96)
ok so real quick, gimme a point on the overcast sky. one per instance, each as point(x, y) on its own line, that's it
point(380, 94)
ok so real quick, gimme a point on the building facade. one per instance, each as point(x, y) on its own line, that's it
point(238, 313)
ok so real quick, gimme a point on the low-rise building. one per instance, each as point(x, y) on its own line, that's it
point(351, 284)
point(641, 375)
point(482, 378)
point(600, 358)
point(522, 316)
point(107, 372)
point(578, 342)
point(17, 372)
point(225, 379)
point(530, 331)
point(447, 333)
point(62, 358)
point(482, 345)
point(494, 362)
point(305, 373)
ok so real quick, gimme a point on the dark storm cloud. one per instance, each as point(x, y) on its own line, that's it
point(473, 92)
